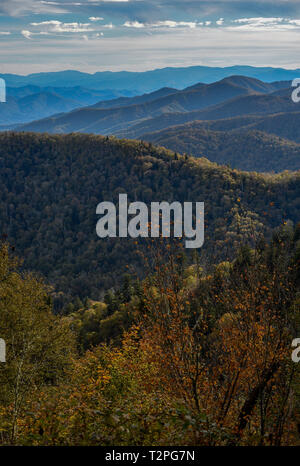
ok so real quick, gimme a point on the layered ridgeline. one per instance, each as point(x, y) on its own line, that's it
point(27, 103)
point(240, 121)
point(233, 96)
point(51, 185)
point(251, 150)
point(148, 81)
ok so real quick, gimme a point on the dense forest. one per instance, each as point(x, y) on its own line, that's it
point(138, 341)
point(51, 185)
point(192, 358)
point(245, 150)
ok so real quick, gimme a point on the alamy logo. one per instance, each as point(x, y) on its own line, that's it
point(163, 218)
point(296, 352)
point(2, 350)
point(2, 90)
point(296, 92)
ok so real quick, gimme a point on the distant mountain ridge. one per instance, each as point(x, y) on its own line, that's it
point(250, 150)
point(244, 122)
point(148, 81)
point(210, 99)
point(32, 102)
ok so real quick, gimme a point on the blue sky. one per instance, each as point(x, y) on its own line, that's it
point(95, 35)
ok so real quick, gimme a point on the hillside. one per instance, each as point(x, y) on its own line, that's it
point(51, 185)
point(237, 109)
point(249, 150)
point(140, 99)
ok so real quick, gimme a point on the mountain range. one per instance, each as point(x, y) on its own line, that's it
point(148, 81)
point(231, 96)
point(30, 102)
point(241, 121)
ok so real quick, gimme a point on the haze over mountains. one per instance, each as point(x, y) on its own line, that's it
point(148, 81)
point(238, 120)
point(241, 121)
point(30, 102)
point(202, 101)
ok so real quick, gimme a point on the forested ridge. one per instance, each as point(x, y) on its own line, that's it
point(179, 358)
point(51, 185)
point(136, 342)
point(250, 150)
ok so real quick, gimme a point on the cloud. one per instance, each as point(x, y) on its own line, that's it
point(55, 26)
point(96, 18)
point(220, 22)
point(265, 24)
point(5, 33)
point(170, 24)
point(108, 26)
point(174, 24)
point(134, 24)
point(155, 10)
point(26, 34)
point(21, 7)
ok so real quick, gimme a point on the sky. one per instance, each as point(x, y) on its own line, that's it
point(138, 35)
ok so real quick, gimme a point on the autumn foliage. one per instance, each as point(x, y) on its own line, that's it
point(207, 360)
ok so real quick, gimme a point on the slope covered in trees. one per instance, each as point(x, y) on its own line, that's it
point(250, 150)
point(51, 185)
point(205, 360)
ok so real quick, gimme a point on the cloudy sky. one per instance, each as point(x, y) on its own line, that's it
point(94, 35)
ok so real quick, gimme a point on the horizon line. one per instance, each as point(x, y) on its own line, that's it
point(155, 69)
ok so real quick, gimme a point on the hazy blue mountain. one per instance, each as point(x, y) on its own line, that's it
point(39, 105)
point(141, 82)
point(238, 108)
point(217, 100)
point(140, 99)
point(32, 102)
point(78, 93)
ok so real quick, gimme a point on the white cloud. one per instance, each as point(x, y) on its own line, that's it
point(174, 24)
point(4, 33)
point(134, 24)
point(220, 22)
point(266, 24)
point(55, 26)
point(26, 34)
point(260, 20)
point(169, 24)
point(295, 21)
point(95, 18)
point(108, 26)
